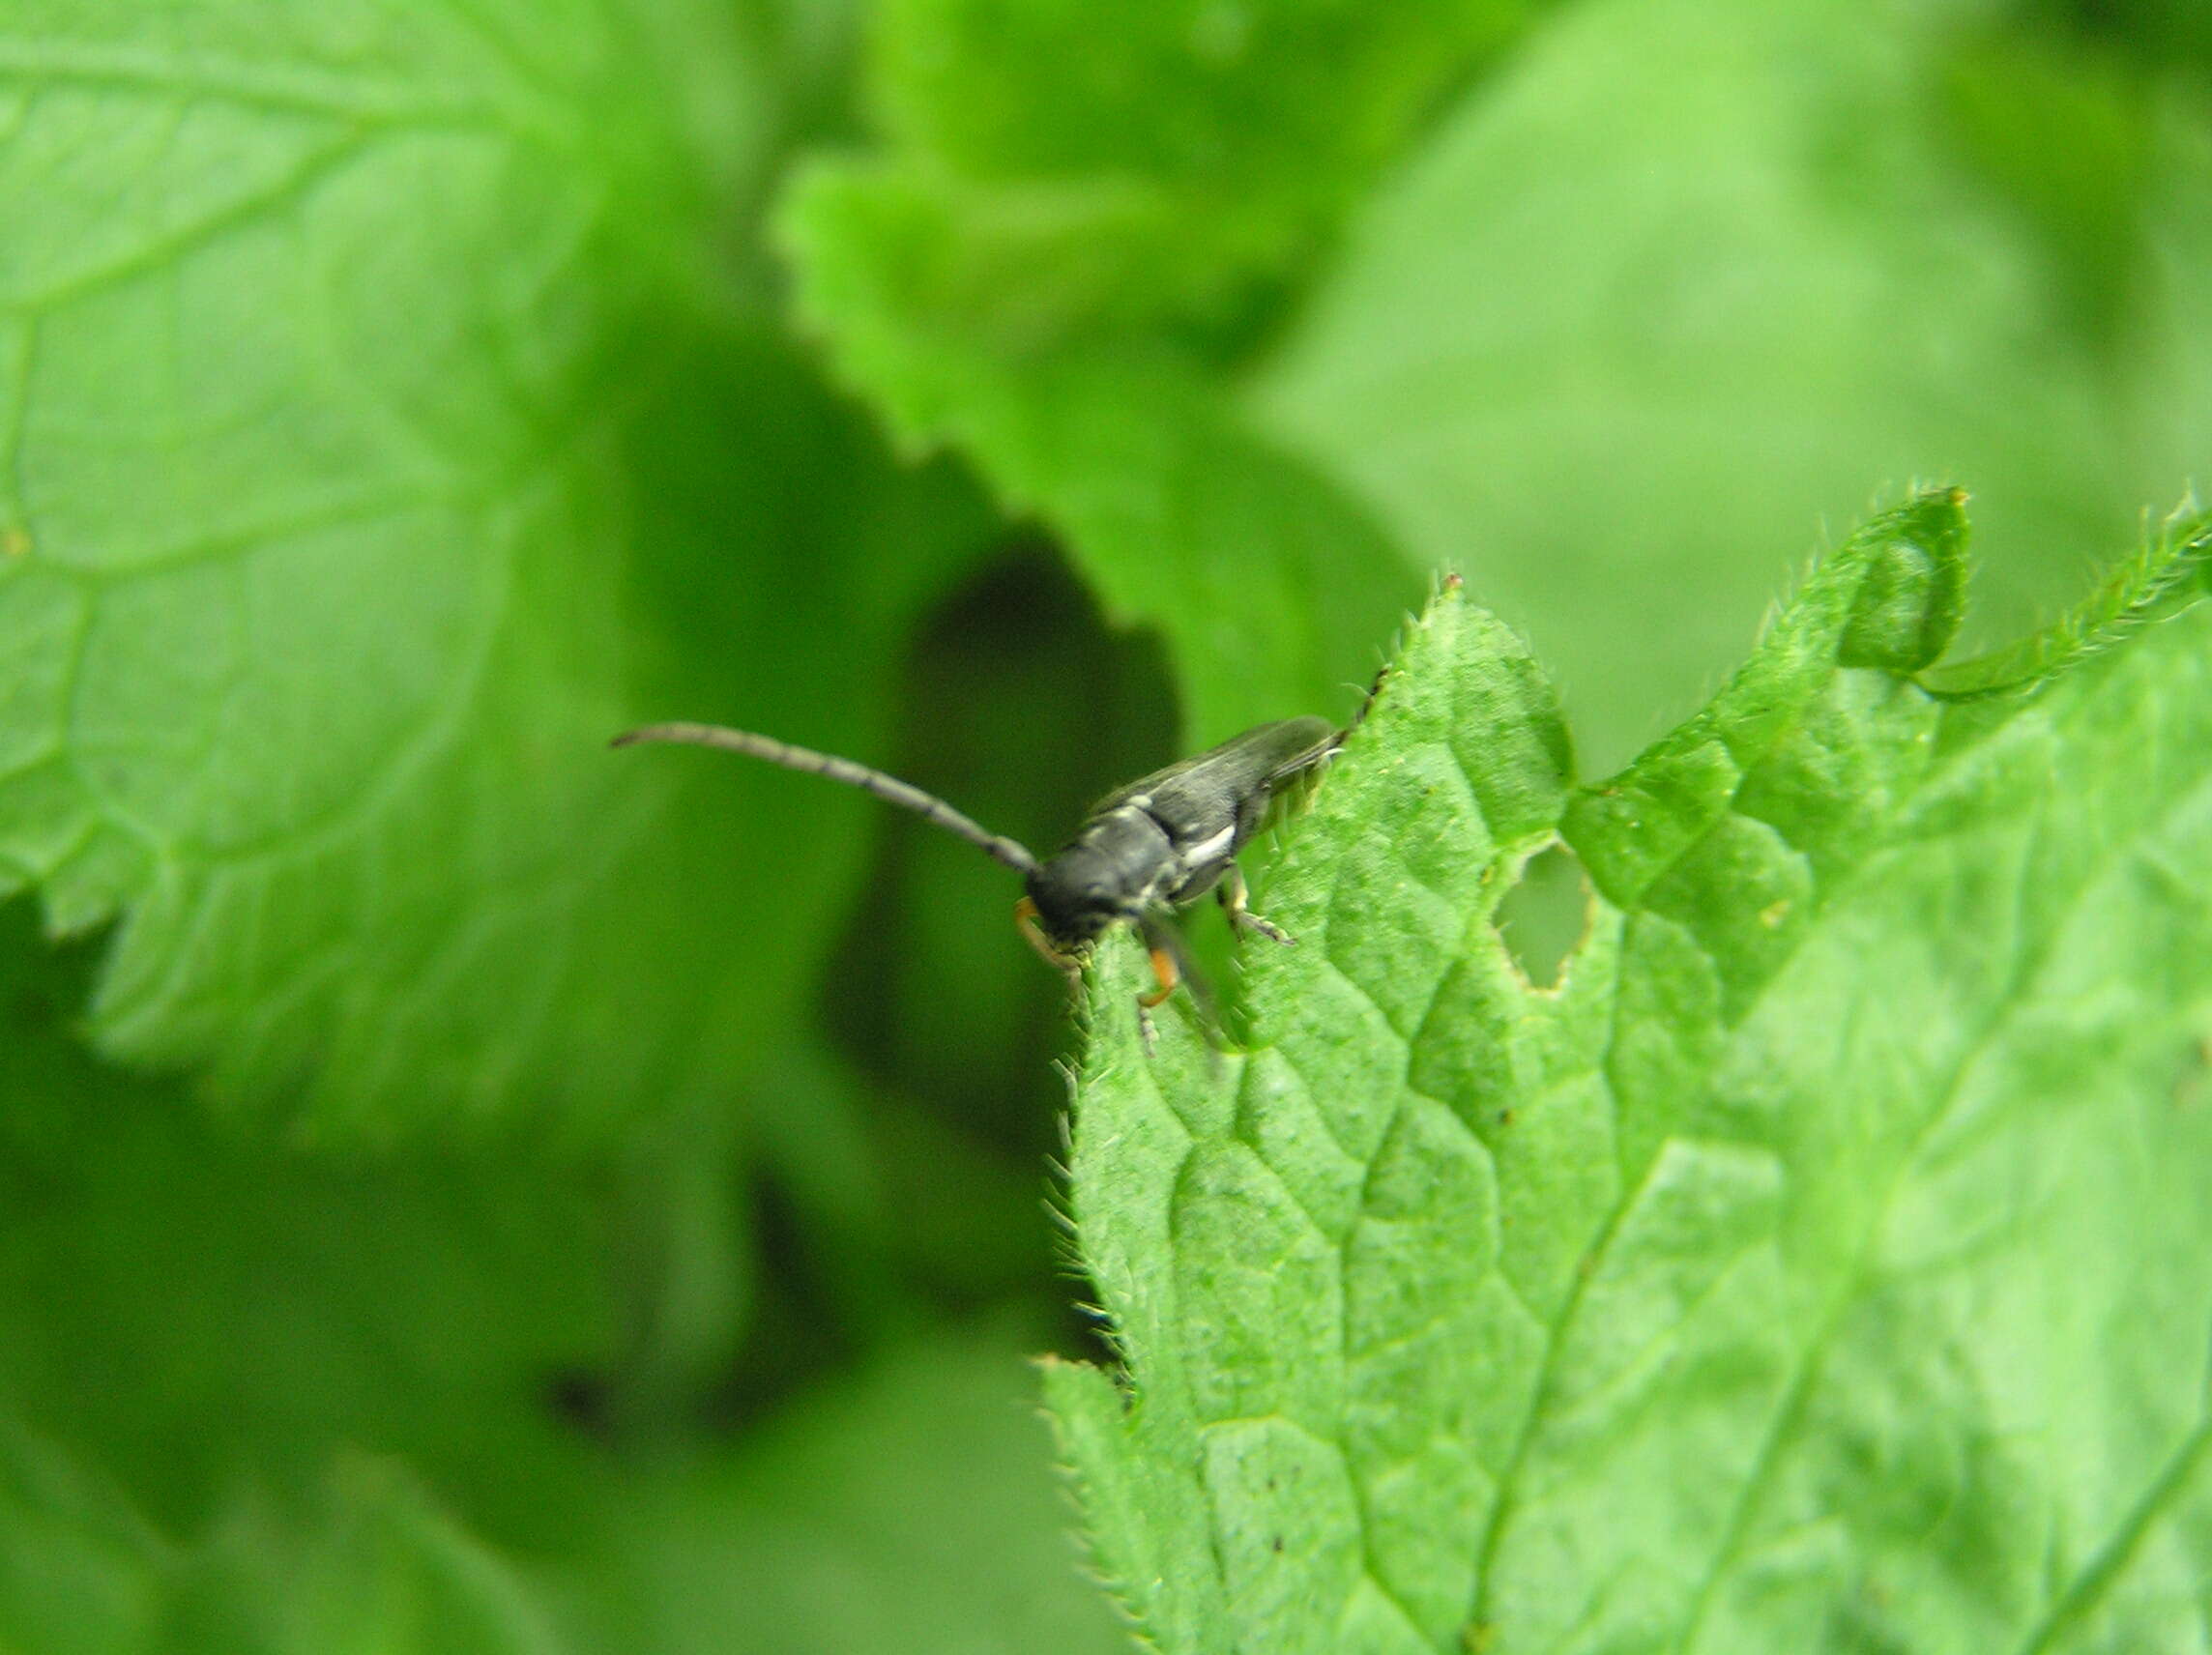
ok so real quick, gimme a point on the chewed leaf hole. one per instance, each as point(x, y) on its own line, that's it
point(1543, 918)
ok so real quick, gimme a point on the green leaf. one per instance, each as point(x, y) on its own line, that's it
point(79, 1570)
point(375, 449)
point(1066, 231)
point(1685, 281)
point(1821, 1265)
point(254, 1401)
point(369, 1563)
point(1269, 586)
point(190, 1310)
point(1062, 178)
point(910, 1509)
point(2167, 575)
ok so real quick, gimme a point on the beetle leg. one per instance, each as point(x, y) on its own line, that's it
point(1231, 895)
point(1165, 971)
point(1033, 933)
point(1171, 970)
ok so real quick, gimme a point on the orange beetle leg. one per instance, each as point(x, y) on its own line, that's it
point(1033, 933)
point(1164, 971)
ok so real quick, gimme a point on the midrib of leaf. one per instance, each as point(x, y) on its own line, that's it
point(1543, 1395)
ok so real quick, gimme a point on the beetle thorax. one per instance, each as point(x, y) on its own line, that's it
point(1122, 863)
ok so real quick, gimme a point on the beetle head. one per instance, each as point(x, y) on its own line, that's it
point(1076, 895)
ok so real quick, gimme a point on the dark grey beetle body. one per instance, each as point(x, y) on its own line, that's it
point(1167, 838)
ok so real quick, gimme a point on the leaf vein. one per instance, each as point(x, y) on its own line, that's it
point(2010, 1005)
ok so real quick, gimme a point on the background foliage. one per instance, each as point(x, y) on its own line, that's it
point(463, 1187)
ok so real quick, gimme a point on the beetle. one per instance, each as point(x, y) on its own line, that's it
point(1161, 842)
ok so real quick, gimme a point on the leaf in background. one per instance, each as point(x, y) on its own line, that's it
point(1157, 173)
point(1067, 222)
point(190, 1309)
point(1821, 1264)
point(79, 1570)
point(370, 460)
point(909, 1509)
point(256, 1401)
point(1620, 329)
point(378, 1565)
point(370, 1562)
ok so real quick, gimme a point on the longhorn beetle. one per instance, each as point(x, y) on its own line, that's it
point(1164, 840)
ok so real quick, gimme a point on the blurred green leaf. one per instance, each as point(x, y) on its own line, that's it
point(1821, 1264)
point(378, 1566)
point(1065, 231)
point(908, 1509)
point(1687, 283)
point(1061, 179)
point(369, 1563)
point(81, 1573)
point(861, 1521)
point(2070, 140)
point(373, 458)
point(192, 1308)
point(258, 1401)
point(2163, 35)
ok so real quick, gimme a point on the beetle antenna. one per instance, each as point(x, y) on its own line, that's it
point(887, 788)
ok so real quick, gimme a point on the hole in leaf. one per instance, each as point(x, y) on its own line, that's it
point(1542, 919)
